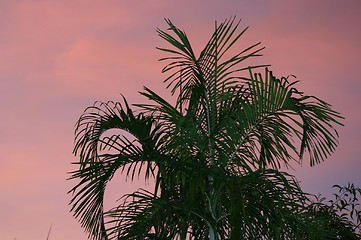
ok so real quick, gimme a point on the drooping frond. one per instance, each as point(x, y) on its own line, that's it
point(274, 115)
point(96, 168)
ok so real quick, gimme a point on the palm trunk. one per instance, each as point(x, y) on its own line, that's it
point(212, 231)
point(212, 109)
point(183, 234)
point(211, 124)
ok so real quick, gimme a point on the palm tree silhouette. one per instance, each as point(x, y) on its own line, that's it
point(215, 155)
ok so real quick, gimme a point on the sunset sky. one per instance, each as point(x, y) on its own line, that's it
point(58, 57)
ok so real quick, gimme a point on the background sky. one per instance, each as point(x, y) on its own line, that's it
point(58, 57)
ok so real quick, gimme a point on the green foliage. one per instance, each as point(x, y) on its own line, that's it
point(347, 203)
point(214, 156)
point(342, 212)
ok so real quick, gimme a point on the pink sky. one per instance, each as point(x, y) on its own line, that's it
point(58, 57)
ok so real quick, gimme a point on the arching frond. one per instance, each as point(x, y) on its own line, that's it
point(273, 115)
point(96, 168)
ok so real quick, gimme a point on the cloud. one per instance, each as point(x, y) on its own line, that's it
point(58, 57)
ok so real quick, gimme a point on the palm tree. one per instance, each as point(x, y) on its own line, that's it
point(215, 155)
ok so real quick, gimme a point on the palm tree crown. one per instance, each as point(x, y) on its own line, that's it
point(215, 155)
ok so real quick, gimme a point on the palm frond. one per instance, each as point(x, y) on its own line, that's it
point(96, 168)
point(275, 114)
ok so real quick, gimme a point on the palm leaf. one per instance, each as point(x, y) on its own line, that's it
point(96, 169)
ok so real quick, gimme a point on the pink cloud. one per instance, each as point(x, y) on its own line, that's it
point(58, 57)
